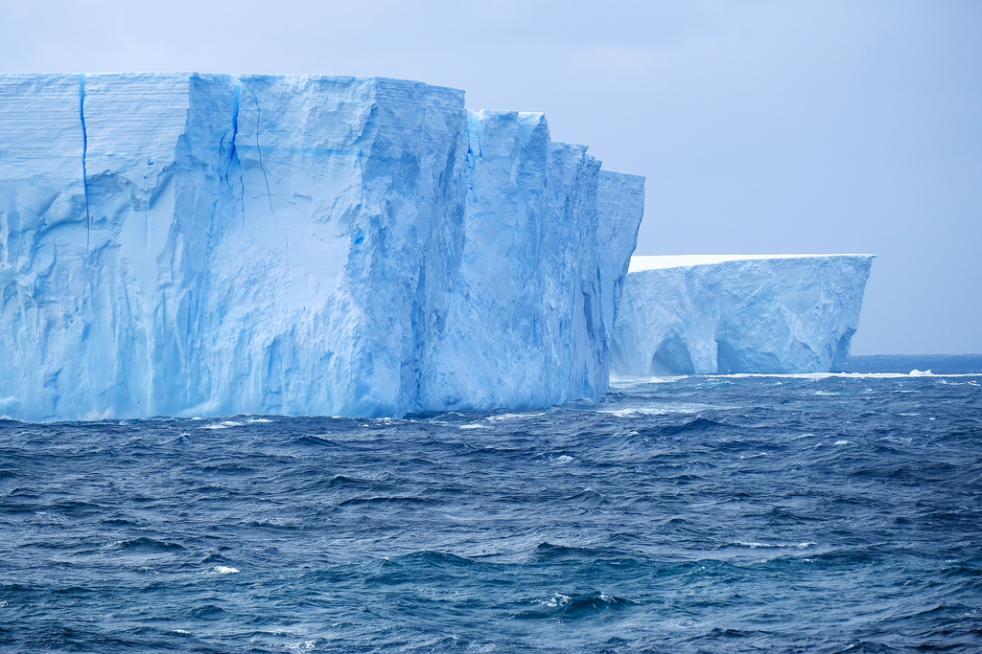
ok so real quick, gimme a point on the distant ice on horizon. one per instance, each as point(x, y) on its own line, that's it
point(750, 313)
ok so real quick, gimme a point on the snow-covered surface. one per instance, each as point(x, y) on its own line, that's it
point(640, 263)
point(214, 245)
point(706, 314)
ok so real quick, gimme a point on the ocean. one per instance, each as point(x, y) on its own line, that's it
point(742, 513)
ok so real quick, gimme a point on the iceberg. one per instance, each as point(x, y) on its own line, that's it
point(217, 245)
point(709, 314)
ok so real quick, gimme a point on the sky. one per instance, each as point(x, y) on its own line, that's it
point(762, 126)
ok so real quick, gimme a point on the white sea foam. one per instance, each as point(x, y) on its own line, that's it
point(756, 545)
point(225, 424)
point(474, 425)
point(685, 408)
point(225, 570)
point(846, 375)
point(557, 599)
point(629, 412)
point(841, 442)
point(627, 382)
point(514, 416)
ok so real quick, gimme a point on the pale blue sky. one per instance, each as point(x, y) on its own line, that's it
point(762, 126)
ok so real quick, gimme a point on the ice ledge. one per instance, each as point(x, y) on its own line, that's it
point(640, 263)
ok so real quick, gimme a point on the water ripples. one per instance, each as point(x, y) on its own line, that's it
point(804, 513)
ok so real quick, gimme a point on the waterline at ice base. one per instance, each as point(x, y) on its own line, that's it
point(211, 245)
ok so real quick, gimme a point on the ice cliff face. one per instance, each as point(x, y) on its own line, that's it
point(212, 245)
point(725, 314)
point(533, 295)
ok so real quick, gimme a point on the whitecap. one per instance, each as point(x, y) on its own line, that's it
point(637, 381)
point(756, 545)
point(474, 425)
point(224, 570)
point(634, 411)
point(225, 424)
point(558, 599)
point(514, 416)
point(565, 458)
point(817, 376)
point(303, 646)
point(685, 408)
point(841, 442)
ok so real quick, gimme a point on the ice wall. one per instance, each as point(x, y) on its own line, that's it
point(725, 314)
point(547, 240)
point(214, 245)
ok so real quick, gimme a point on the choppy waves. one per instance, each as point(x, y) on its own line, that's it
point(738, 513)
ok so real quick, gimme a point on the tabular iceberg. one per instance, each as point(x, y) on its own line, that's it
point(217, 245)
point(728, 314)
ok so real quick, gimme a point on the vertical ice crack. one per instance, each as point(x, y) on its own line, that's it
point(233, 153)
point(233, 156)
point(262, 166)
point(85, 151)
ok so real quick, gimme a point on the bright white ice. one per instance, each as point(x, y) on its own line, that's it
point(641, 263)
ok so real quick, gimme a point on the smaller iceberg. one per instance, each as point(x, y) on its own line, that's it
point(708, 314)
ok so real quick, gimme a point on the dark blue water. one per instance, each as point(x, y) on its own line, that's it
point(723, 514)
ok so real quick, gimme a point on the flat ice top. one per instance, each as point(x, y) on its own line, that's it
point(658, 262)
